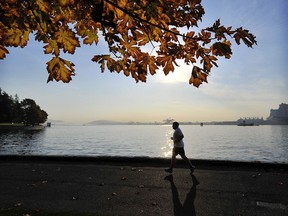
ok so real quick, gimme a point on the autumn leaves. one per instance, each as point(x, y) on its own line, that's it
point(127, 27)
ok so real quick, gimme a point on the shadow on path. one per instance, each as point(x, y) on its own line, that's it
point(188, 207)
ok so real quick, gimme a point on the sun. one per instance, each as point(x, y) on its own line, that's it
point(181, 74)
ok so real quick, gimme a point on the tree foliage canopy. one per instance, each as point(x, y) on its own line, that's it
point(168, 27)
point(26, 111)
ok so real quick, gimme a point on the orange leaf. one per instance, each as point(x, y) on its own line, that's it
point(197, 77)
point(222, 49)
point(43, 5)
point(66, 2)
point(152, 65)
point(60, 69)
point(142, 38)
point(167, 63)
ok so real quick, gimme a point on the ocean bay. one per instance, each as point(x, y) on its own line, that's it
point(265, 143)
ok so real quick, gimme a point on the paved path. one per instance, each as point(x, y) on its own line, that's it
point(91, 188)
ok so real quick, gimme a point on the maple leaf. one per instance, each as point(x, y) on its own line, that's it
point(110, 63)
point(127, 26)
point(166, 62)
point(43, 5)
point(88, 31)
point(66, 2)
point(197, 77)
point(243, 34)
point(3, 52)
point(120, 65)
point(129, 44)
point(121, 4)
point(67, 39)
point(151, 10)
point(91, 36)
point(142, 38)
point(152, 65)
point(60, 69)
point(16, 37)
point(222, 49)
point(52, 47)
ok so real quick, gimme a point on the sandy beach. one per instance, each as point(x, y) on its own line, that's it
point(139, 186)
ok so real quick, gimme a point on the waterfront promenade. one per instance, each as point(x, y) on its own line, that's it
point(117, 186)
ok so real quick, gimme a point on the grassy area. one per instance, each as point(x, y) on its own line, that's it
point(12, 125)
point(8, 126)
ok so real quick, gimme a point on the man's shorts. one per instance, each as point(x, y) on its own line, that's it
point(178, 150)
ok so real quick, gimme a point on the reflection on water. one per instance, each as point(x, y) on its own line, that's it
point(20, 142)
point(167, 148)
point(262, 143)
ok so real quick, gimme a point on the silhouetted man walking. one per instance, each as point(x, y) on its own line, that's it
point(178, 148)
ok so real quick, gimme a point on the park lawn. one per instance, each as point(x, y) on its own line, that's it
point(11, 125)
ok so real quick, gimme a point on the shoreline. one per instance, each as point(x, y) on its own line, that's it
point(21, 127)
point(143, 161)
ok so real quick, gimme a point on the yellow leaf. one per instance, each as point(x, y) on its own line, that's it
point(15, 37)
point(3, 52)
point(52, 47)
point(43, 6)
point(67, 39)
point(120, 13)
point(66, 2)
point(24, 39)
point(90, 36)
point(60, 69)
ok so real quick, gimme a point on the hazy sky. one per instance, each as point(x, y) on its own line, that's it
point(248, 85)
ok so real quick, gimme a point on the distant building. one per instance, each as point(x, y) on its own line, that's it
point(168, 121)
point(250, 120)
point(279, 115)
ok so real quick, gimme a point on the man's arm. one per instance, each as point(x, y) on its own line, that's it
point(179, 138)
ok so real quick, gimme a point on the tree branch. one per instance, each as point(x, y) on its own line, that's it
point(145, 21)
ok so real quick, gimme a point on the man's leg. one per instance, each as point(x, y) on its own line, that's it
point(188, 162)
point(173, 160)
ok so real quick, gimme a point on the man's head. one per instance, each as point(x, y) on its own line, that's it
point(175, 125)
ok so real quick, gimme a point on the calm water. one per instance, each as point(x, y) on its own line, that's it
point(260, 143)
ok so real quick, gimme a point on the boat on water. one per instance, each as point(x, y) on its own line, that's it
point(246, 124)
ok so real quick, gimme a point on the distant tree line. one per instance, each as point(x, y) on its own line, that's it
point(26, 111)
